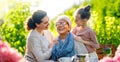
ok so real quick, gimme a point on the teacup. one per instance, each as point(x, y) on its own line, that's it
point(65, 59)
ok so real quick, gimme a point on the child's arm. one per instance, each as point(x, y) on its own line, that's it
point(78, 38)
point(94, 43)
point(81, 40)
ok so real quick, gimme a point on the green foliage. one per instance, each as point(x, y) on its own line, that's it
point(13, 27)
point(106, 19)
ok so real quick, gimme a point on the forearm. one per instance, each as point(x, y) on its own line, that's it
point(95, 45)
point(86, 42)
point(42, 56)
point(47, 54)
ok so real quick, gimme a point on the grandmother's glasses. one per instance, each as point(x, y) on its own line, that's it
point(61, 23)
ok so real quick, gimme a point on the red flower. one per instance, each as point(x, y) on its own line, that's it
point(107, 59)
point(8, 54)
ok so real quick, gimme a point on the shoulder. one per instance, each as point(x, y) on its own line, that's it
point(91, 30)
point(48, 35)
point(32, 36)
point(47, 31)
point(74, 29)
point(32, 33)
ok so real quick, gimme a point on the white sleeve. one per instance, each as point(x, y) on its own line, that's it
point(37, 50)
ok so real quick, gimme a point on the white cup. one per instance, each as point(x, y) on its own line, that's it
point(65, 59)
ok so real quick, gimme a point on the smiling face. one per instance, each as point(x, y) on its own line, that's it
point(79, 21)
point(44, 24)
point(62, 27)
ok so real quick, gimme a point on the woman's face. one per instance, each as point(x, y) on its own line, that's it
point(44, 24)
point(79, 21)
point(62, 27)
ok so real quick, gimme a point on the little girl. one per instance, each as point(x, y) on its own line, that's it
point(85, 33)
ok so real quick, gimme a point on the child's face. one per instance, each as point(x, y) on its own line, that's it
point(79, 21)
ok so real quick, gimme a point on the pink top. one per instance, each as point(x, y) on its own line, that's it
point(87, 34)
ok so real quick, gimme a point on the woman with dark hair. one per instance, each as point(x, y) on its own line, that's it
point(39, 42)
point(85, 34)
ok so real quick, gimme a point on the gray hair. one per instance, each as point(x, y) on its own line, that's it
point(66, 18)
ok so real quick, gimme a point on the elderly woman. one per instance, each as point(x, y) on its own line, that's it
point(65, 44)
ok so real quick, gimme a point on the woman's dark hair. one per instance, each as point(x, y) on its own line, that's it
point(84, 12)
point(35, 18)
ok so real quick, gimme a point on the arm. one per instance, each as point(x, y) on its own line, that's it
point(49, 37)
point(94, 43)
point(37, 51)
point(51, 40)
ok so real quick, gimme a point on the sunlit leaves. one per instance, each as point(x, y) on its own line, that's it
point(13, 28)
point(107, 19)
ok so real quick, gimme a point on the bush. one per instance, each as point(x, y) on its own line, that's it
point(105, 21)
point(13, 27)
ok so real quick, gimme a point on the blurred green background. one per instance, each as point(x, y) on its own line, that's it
point(105, 21)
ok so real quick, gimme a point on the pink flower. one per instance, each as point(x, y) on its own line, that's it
point(117, 54)
point(117, 58)
point(118, 51)
point(107, 59)
point(8, 54)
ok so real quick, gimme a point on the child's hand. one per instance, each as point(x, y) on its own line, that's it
point(78, 39)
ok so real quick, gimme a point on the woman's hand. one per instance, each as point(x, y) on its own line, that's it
point(55, 41)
